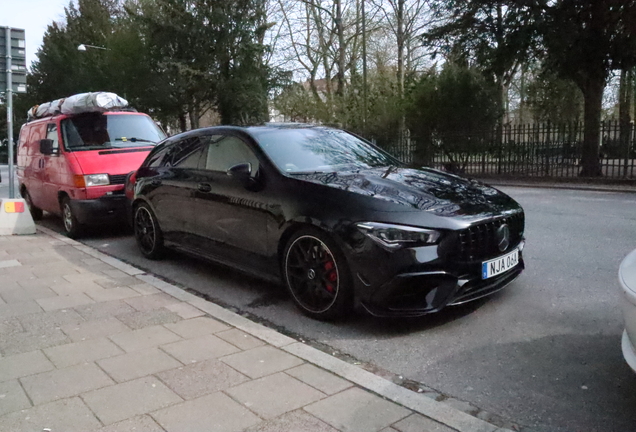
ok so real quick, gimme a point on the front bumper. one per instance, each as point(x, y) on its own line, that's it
point(423, 283)
point(106, 209)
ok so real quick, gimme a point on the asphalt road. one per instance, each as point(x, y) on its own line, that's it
point(544, 353)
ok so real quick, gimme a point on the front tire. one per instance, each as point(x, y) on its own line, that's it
point(317, 275)
point(36, 212)
point(72, 227)
point(147, 232)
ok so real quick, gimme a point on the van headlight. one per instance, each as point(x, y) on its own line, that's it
point(96, 180)
point(397, 236)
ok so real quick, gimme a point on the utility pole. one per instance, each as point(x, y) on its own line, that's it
point(13, 40)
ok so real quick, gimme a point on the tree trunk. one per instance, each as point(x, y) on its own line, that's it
point(341, 48)
point(182, 122)
point(593, 95)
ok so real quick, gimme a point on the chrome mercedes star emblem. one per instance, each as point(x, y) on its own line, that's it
point(311, 274)
point(503, 237)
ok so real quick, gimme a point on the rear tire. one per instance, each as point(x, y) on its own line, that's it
point(36, 212)
point(72, 227)
point(147, 232)
point(317, 275)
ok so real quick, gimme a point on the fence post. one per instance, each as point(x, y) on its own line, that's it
point(499, 147)
point(548, 149)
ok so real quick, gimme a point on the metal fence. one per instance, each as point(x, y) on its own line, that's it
point(533, 150)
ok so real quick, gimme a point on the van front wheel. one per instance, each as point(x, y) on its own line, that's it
point(71, 225)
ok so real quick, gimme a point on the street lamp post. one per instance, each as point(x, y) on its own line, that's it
point(82, 47)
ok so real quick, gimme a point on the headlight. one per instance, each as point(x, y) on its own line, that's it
point(397, 236)
point(96, 180)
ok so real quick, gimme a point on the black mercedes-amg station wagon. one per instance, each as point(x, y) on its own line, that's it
point(335, 218)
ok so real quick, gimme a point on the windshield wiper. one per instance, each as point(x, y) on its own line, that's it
point(133, 139)
point(391, 169)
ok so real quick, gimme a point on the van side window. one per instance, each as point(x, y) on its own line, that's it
point(51, 133)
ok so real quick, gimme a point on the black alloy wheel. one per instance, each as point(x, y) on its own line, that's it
point(36, 212)
point(317, 275)
point(72, 227)
point(147, 232)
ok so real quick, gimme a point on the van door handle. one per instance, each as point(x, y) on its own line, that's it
point(204, 187)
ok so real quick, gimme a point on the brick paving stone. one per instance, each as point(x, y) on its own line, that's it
point(198, 349)
point(10, 325)
point(153, 301)
point(67, 415)
point(211, 413)
point(355, 410)
point(298, 420)
point(66, 288)
point(144, 338)
point(419, 423)
point(261, 361)
point(144, 288)
point(17, 309)
point(40, 259)
point(137, 364)
point(82, 278)
point(320, 379)
point(117, 282)
point(143, 423)
point(100, 310)
point(45, 321)
point(95, 329)
point(9, 263)
point(240, 339)
point(8, 285)
point(82, 352)
point(55, 269)
point(62, 302)
point(64, 383)
point(185, 310)
point(12, 397)
point(17, 343)
point(25, 364)
point(137, 320)
point(23, 294)
point(199, 379)
point(129, 399)
point(274, 395)
point(197, 327)
point(110, 294)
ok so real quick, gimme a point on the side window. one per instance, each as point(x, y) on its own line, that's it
point(51, 133)
point(228, 151)
point(184, 154)
point(156, 156)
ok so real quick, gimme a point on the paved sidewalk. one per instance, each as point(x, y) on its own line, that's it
point(89, 343)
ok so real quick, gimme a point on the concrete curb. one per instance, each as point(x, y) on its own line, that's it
point(416, 402)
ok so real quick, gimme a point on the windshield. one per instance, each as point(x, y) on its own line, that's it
point(312, 150)
point(95, 131)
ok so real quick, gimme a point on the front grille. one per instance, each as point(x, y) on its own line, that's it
point(117, 179)
point(479, 242)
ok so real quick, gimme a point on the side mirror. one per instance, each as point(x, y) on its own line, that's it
point(46, 147)
point(241, 172)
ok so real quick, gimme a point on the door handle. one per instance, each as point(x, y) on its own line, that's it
point(204, 187)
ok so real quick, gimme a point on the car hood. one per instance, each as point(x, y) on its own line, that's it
point(416, 189)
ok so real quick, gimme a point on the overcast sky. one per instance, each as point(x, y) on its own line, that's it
point(32, 16)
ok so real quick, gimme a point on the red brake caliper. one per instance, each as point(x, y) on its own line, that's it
point(332, 275)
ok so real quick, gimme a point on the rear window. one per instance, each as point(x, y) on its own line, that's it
point(94, 131)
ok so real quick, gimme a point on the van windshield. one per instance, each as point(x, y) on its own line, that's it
point(94, 131)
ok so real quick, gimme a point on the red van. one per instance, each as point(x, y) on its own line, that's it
point(76, 165)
